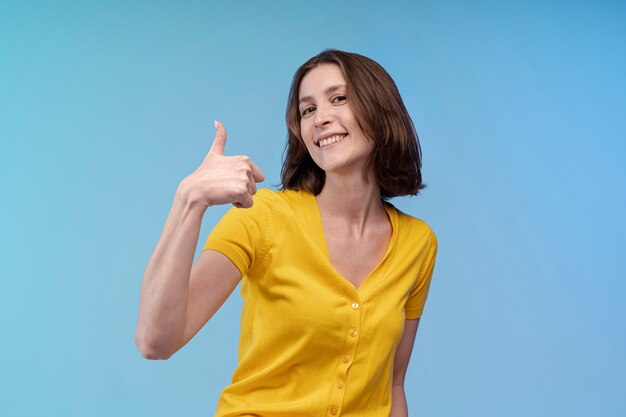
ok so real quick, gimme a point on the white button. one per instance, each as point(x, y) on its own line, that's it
point(355, 305)
point(353, 332)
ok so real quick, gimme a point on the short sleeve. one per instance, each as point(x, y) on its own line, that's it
point(417, 297)
point(242, 234)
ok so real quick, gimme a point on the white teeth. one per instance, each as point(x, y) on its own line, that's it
point(330, 140)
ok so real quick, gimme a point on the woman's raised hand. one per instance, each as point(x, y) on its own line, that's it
point(222, 179)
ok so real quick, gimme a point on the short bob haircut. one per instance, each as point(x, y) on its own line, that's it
point(381, 115)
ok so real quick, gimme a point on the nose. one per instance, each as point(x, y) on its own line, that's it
point(322, 116)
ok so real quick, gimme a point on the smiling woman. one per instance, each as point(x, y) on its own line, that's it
point(329, 130)
point(379, 113)
point(334, 277)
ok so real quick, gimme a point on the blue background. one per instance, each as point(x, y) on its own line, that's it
point(106, 106)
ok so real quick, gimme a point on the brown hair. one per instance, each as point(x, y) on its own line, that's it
point(381, 115)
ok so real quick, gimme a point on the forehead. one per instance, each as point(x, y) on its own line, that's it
point(319, 79)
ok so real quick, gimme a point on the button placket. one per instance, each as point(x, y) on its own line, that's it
point(346, 358)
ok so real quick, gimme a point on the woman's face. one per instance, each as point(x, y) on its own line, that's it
point(328, 126)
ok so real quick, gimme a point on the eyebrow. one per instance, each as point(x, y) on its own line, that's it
point(329, 90)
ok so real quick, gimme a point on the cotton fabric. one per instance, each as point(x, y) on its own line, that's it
point(311, 343)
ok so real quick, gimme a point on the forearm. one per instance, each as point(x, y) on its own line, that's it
point(165, 285)
point(399, 406)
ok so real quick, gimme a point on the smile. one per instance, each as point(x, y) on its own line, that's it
point(333, 139)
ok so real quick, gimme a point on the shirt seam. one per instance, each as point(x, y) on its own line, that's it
point(269, 229)
point(408, 311)
point(427, 260)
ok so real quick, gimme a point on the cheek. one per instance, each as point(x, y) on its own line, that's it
point(306, 132)
point(305, 138)
point(304, 124)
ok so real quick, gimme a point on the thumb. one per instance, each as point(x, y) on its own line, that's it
point(219, 140)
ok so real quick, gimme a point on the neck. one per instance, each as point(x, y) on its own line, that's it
point(350, 201)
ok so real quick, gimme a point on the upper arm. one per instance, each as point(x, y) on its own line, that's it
point(403, 351)
point(213, 278)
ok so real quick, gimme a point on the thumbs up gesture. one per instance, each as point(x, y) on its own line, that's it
point(222, 179)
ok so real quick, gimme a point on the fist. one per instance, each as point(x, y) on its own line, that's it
point(223, 179)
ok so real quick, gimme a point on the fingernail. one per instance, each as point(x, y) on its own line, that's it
point(215, 123)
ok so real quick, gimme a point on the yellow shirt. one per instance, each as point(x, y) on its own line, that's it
point(312, 344)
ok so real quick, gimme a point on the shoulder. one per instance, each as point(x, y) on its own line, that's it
point(284, 199)
point(264, 196)
point(264, 201)
point(284, 195)
point(413, 224)
point(291, 196)
point(260, 212)
point(280, 204)
point(415, 230)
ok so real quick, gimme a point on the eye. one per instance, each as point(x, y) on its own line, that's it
point(339, 99)
point(307, 110)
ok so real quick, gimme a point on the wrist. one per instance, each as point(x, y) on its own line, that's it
point(187, 196)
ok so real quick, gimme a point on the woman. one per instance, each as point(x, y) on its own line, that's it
point(334, 278)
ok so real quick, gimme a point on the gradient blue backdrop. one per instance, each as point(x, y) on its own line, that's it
point(106, 106)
